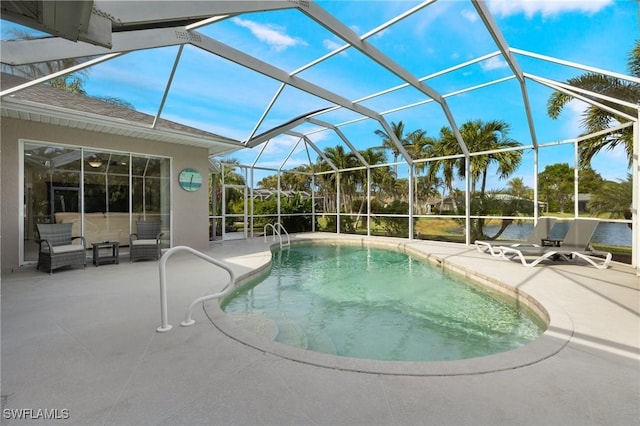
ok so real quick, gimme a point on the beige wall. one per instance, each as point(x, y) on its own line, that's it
point(189, 209)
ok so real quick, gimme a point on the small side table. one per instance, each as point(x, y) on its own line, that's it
point(551, 242)
point(115, 252)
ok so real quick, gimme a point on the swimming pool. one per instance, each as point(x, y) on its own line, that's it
point(365, 302)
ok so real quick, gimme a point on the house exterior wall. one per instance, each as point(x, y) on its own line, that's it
point(189, 209)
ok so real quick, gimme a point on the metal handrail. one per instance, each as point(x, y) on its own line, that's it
point(276, 232)
point(279, 225)
point(165, 326)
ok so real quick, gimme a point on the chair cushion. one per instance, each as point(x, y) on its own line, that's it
point(67, 248)
point(143, 242)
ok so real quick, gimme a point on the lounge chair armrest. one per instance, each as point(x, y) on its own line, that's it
point(159, 235)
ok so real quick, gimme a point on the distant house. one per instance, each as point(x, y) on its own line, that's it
point(267, 194)
point(583, 202)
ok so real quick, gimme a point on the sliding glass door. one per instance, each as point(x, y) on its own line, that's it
point(102, 193)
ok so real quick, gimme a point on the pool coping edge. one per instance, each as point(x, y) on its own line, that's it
point(553, 340)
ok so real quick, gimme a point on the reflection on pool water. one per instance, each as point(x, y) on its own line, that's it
point(378, 304)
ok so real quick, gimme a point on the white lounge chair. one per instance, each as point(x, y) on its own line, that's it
point(576, 244)
point(540, 231)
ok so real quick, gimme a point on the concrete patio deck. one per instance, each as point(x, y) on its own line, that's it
point(84, 343)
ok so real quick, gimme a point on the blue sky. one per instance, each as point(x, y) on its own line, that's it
point(216, 95)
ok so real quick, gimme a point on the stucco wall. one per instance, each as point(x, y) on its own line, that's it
point(189, 209)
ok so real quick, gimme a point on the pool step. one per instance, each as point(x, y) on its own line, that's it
point(290, 333)
point(284, 331)
point(321, 342)
point(256, 323)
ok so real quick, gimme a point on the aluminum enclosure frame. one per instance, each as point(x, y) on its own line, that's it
point(176, 24)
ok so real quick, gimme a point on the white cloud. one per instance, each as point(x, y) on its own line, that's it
point(273, 36)
point(281, 145)
point(331, 44)
point(546, 8)
point(383, 33)
point(610, 163)
point(574, 111)
point(290, 164)
point(469, 15)
point(493, 63)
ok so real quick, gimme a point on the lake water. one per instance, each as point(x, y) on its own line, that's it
point(615, 234)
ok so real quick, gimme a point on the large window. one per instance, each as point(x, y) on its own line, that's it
point(102, 193)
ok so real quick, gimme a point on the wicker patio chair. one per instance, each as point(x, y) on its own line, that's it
point(56, 247)
point(145, 243)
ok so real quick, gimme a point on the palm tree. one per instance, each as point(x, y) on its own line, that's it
point(446, 145)
point(378, 174)
point(230, 176)
point(73, 82)
point(387, 142)
point(417, 143)
point(295, 181)
point(478, 136)
point(595, 119)
point(372, 157)
point(613, 198)
point(343, 160)
point(517, 188)
point(232, 197)
point(486, 137)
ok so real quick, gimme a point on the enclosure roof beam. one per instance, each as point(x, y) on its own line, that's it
point(588, 93)
point(168, 86)
point(500, 41)
point(576, 65)
point(264, 147)
point(58, 74)
point(498, 38)
point(266, 111)
point(342, 136)
point(72, 20)
point(290, 154)
point(586, 99)
point(283, 128)
point(21, 52)
point(395, 140)
point(136, 26)
point(313, 146)
point(224, 51)
point(272, 133)
point(335, 52)
point(339, 29)
point(127, 13)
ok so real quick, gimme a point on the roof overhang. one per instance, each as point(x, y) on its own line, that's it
point(47, 114)
point(71, 20)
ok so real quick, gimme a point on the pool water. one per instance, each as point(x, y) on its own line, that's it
point(378, 304)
